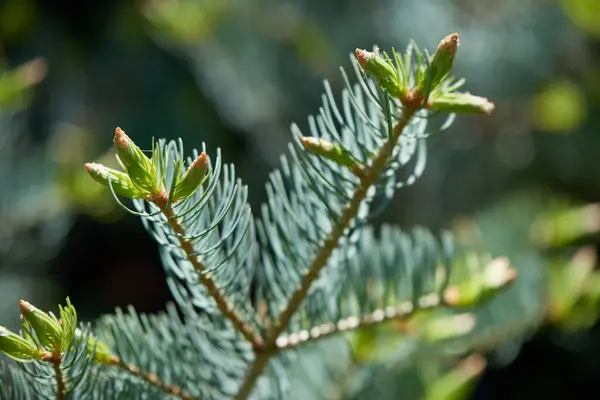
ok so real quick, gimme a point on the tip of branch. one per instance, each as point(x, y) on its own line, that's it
point(362, 56)
point(488, 108)
point(449, 43)
point(121, 139)
point(25, 306)
point(200, 162)
point(90, 167)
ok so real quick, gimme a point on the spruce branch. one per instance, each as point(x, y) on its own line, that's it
point(331, 243)
point(146, 179)
point(223, 303)
point(150, 378)
point(319, 262)
point(401, 312)
point(162, 352)
point(209, 227)
point(52, 351)
point(55, 359)
point(414, 91)
point(103, 357)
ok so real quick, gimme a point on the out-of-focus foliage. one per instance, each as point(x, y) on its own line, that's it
point(30, 208)
point(554, 242)
point(558, 289)
point(584, 14)
point(559, 107)
point(16, 84)
point(42, 184)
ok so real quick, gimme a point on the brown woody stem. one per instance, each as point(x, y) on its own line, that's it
point(223, 303)
point(150, 378)
point(401, 312)
point(55, 358)
point(370, 176)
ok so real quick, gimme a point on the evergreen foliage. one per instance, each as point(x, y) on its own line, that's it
point(309, 277)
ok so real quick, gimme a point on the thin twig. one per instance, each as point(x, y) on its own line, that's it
point(223, 303)
point(55, 359)
point(150, 378)
point(400, 312)
point(373, 172)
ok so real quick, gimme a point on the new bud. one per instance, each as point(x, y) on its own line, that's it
point(68, 324)
point(496, 275)
point(441, 63)
point(120, 181)
point(192, 179)
point(46, 328)
point(138, 166)
point(382, 71)
point(330, 151)
point(461, 103)
point(16, 347)
point(102, 352)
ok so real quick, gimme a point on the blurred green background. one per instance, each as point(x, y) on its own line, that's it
point(234, 74)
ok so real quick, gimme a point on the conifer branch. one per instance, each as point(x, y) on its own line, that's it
point(55, 359)
point(331, 243)
point(223, 303)
point(150, 378)
point(402, 311)
point(312, 273)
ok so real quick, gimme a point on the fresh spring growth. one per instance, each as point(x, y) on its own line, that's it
point(441, 63)
point(192, 178)
point(383, 71)
point(68, 324)
point(101, 351)
point(17, 347)
point(330, 151)
point(139, 167)
point(119, 180)
point(461, 103)
point(496, 275)
point(46, 327)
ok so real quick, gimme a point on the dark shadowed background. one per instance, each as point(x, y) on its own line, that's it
point(235, 74)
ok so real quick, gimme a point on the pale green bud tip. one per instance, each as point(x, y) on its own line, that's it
point(332, 152)
point(449, 44)
point(441, 63)
point(462, 103)
point(47, 328)
point(138, 166)
point(26, 307)
point(200, 163)
point(362, 56)
point(101, 351)
point(17, 347)
point(94, 169)
point(314, 144)
point(381, 70)
point(120, 181)
point(121, 140)
point(192, 179)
